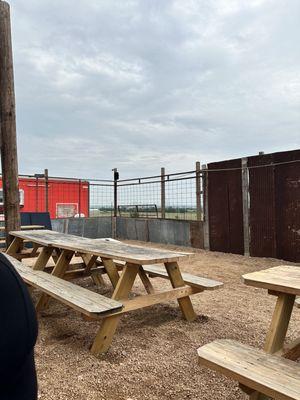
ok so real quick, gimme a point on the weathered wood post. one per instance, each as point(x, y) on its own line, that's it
point(205, 178)
point(9, 159)
point(163, 193)
point(198, 191)
point(245, 193)
point(114, 219)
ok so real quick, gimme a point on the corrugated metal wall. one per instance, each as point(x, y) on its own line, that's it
point(274, 206)
point(225, 207)
point(262, 213)
point(287, 195)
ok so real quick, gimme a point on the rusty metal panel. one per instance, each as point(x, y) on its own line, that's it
point(275, 205)
point(225, 207)
point(262, 210)
point(287, 193)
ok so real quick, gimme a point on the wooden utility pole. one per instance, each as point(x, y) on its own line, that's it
point(9, 159)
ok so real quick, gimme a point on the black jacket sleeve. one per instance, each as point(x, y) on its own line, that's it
point(18, 332)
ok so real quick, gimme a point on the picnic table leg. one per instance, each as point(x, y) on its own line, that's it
point(278, 329)
point(98, 278)
point(112, 270)
point(109, 325)
point(15, 247)
point(59, 271)
point(146, 281)
point(56, 255)
point(43, 258)
point(176, 279)
point(35, 247)
point(89, 261)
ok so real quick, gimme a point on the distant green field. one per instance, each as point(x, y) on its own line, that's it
point(188, 215)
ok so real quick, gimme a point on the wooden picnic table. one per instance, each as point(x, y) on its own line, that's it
point(284, 283)
point(132, 259)
point(271, 373)
point(26, 227)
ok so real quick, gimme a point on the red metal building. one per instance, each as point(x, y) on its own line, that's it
point(66, 197)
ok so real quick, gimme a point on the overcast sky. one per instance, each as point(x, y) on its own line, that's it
point(142, 84)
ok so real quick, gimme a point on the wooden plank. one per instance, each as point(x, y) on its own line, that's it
point(157, 298)
point(291, 350)
point(109, 325)
point(108, 249)
point(176, 279)
point(89, 261)
point(111, 271)
point(25, 227)
point(245, 195)
point(97, 278)
point(189, 279)
point(280, 322)
point(278, 329)
point(58, 271)
point(14, 247)
point(35, 249)
point(81, 299)
point(273, 376)
point(43, 258)
point(284, 279)
point(146, 281)
point(297, 302)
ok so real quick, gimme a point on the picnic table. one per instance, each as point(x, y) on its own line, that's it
point(114, 256)
point(284, 283)
point(23, 228)
point(273, 372)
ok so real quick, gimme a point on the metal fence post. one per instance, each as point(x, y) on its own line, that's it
point(245, 194)
point(163, 193)
point(198, 191)
point(46, 190)
point(205, 207)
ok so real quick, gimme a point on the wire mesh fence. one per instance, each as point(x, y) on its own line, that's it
point(174, 196)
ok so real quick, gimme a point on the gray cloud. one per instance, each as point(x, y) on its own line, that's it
point(143, 84)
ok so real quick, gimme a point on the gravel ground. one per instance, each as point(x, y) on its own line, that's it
point(153, 355)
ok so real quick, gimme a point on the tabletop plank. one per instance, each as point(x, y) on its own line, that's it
point(284, 279)
point(26, 227)
point(107, 249)
point(272, 375)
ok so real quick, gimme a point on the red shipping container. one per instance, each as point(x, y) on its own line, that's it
point(66, 198)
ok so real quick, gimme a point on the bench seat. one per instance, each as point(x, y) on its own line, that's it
point(83, 300)
point(189, 279)
point(271, 375)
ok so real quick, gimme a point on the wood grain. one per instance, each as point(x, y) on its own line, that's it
point(108, 249)
point(189, 279)
point(273, 376)
point(83, 300)
point(284, 279)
